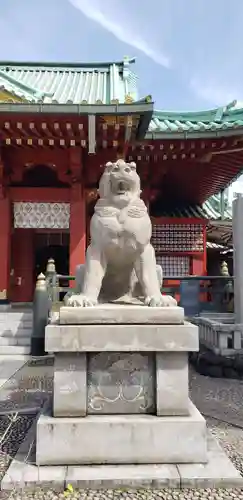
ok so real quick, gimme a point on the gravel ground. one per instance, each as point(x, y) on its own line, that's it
point(220, 400)
point(13, 429)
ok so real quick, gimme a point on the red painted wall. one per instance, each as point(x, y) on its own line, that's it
point(44, 195)
point(5, 235)
point(23, 265)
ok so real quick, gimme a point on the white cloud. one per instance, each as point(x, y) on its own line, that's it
point(212, 91)
point(203, 44)
point(117, 23)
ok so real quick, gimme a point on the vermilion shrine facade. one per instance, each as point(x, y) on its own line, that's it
point(59, 125)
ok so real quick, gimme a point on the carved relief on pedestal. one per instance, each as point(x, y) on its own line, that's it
point(120, 383)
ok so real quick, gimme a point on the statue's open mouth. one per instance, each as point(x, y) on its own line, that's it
point(120, 188)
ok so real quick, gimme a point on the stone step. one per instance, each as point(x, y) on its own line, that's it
point(21, 341)
point(16, 314)
point(9, 365)
point(16, 321)
point(18, 332)
point(14, 349)
point(13, 325)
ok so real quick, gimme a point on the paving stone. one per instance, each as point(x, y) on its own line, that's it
point(219, 472)
point(136, 476)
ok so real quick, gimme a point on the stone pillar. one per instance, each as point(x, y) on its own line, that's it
point(172, 396)
point(238, 258)
point(70, 385)
point(77, 228)
point(5, 240)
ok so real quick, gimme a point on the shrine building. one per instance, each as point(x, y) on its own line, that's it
point(59, 125)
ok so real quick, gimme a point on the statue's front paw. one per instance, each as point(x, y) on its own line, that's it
point(81, 301)
point(161, 301)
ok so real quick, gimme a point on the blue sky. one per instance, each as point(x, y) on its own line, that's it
point(189, 52)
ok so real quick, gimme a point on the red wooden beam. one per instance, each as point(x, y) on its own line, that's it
point(54, 195)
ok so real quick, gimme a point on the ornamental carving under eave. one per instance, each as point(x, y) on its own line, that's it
point(41, 215)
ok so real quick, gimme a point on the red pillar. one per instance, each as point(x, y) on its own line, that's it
point(5, 235)
point(77, 228)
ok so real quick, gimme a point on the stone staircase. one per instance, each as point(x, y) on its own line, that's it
point(15, 331)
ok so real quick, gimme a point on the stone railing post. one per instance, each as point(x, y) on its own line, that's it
point(50, 277)
point(40, 316)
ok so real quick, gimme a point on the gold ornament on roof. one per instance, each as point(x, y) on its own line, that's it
point(128, 99)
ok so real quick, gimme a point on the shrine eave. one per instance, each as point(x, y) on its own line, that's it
point(194, 135)
point(219, 122)
point(78, 109)
point(42, 124)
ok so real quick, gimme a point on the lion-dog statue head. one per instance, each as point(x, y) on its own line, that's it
point(120, 183)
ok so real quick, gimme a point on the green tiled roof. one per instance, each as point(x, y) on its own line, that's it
point(106, 83)
point(212, 209)
point(65, 83)
point(209, 210)
point(194, 211)
point(219, 121)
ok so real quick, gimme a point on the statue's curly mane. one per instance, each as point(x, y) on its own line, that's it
point(104, 186)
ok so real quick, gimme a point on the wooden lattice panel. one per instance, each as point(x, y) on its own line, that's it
point(177, 237)
point(174, 265)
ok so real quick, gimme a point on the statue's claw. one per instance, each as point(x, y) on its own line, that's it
point(161, 301)
point(80, 301)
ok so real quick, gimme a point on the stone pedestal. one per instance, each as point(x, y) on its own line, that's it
point(121, 415)
point(121, 389)
point(121, 439)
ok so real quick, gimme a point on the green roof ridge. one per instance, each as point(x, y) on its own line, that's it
point(73, 65)
point(216, 114)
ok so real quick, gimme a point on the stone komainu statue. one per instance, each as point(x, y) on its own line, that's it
point(120, 260)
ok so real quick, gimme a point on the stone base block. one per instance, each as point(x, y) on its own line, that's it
point(121, 338)
point(121, 314)
point(23, 474)
point(121, 439)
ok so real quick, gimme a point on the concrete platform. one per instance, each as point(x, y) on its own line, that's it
point(121, 439)
point(23, 474)
point(121, 338)
point(121, 314)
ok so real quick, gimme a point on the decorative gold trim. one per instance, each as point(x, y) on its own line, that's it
point(6, 96)
point(128, 99)
point(113, 120)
